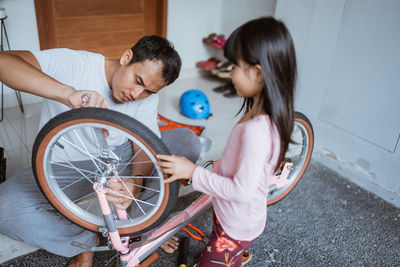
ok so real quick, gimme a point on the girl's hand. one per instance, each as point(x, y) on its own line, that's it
point(178, 167)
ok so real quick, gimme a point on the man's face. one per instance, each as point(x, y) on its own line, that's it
point(137, 80)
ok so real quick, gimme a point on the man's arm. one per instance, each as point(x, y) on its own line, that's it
point(21, 71)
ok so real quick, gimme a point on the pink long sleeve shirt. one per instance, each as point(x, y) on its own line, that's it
point(239, 187)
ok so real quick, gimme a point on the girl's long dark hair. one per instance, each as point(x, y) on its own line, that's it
point(267, 42)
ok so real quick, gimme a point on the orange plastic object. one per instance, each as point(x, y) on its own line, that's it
point(200, 236)
point(167, 124)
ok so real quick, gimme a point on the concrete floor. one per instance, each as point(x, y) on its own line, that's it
point(324, 221)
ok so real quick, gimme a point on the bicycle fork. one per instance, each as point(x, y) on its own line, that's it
point(119, 244)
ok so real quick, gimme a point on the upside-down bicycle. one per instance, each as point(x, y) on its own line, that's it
point(77, 154)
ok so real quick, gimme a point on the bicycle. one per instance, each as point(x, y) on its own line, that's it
point(77, 154)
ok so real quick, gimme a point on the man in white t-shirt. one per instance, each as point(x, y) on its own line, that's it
point(63, 76)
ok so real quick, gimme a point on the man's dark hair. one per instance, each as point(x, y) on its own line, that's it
point(153, 47)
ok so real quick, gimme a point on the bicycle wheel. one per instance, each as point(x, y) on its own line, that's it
point(68, 158)
point(299, 153)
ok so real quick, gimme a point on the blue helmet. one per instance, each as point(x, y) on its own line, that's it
point(194, 104)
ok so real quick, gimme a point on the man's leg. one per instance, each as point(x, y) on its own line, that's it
point(180, 142)
point(27, 216)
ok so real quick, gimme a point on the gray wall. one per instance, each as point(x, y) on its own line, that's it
point(349, 59)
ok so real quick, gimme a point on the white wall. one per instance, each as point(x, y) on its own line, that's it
point(237, 12)
point(348, 56)
point(189, 21)
point(23, 35)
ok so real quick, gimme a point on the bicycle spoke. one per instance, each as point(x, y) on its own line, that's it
point(130, 193)
point(62, 188)
point(79, 199)
point(72, 167)
point(136, 177)
point(129, 217)
point(87, 151)
point(81, 150)
point(145, 187)
point(132, 198)
point(67, 177)
point(90, 205)
point(144, 202)
point(136, 162)
point(131, 160)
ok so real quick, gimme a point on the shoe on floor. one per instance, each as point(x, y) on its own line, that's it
point(225, 71)
point(223, 88)
point(209, 64)
point(222, 70)
point(231, 93)
point(246, 257)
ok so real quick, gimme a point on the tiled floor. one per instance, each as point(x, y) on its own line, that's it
point(18, 132)
point(17, 135)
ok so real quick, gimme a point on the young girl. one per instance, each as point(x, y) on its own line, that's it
point(264, 74)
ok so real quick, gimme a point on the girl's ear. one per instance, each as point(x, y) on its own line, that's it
point(126, 57)
point(259, 73)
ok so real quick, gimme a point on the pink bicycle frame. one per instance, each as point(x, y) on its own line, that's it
point(135, 253)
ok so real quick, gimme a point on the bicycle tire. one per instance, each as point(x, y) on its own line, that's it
point(76, 120)
point(304, 125)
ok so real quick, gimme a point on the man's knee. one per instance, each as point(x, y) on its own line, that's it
point(182, 142)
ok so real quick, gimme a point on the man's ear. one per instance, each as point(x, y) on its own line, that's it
point(126, 57)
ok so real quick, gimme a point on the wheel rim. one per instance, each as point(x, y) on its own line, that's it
point(299, 153)
point(57, 161)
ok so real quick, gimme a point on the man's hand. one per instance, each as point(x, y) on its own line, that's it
point(85, 98)
point(178, 167)
point(122, 189)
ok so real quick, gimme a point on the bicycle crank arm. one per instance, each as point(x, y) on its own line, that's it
point(89, 248)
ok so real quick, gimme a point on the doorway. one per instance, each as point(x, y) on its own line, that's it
point(101, 26)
